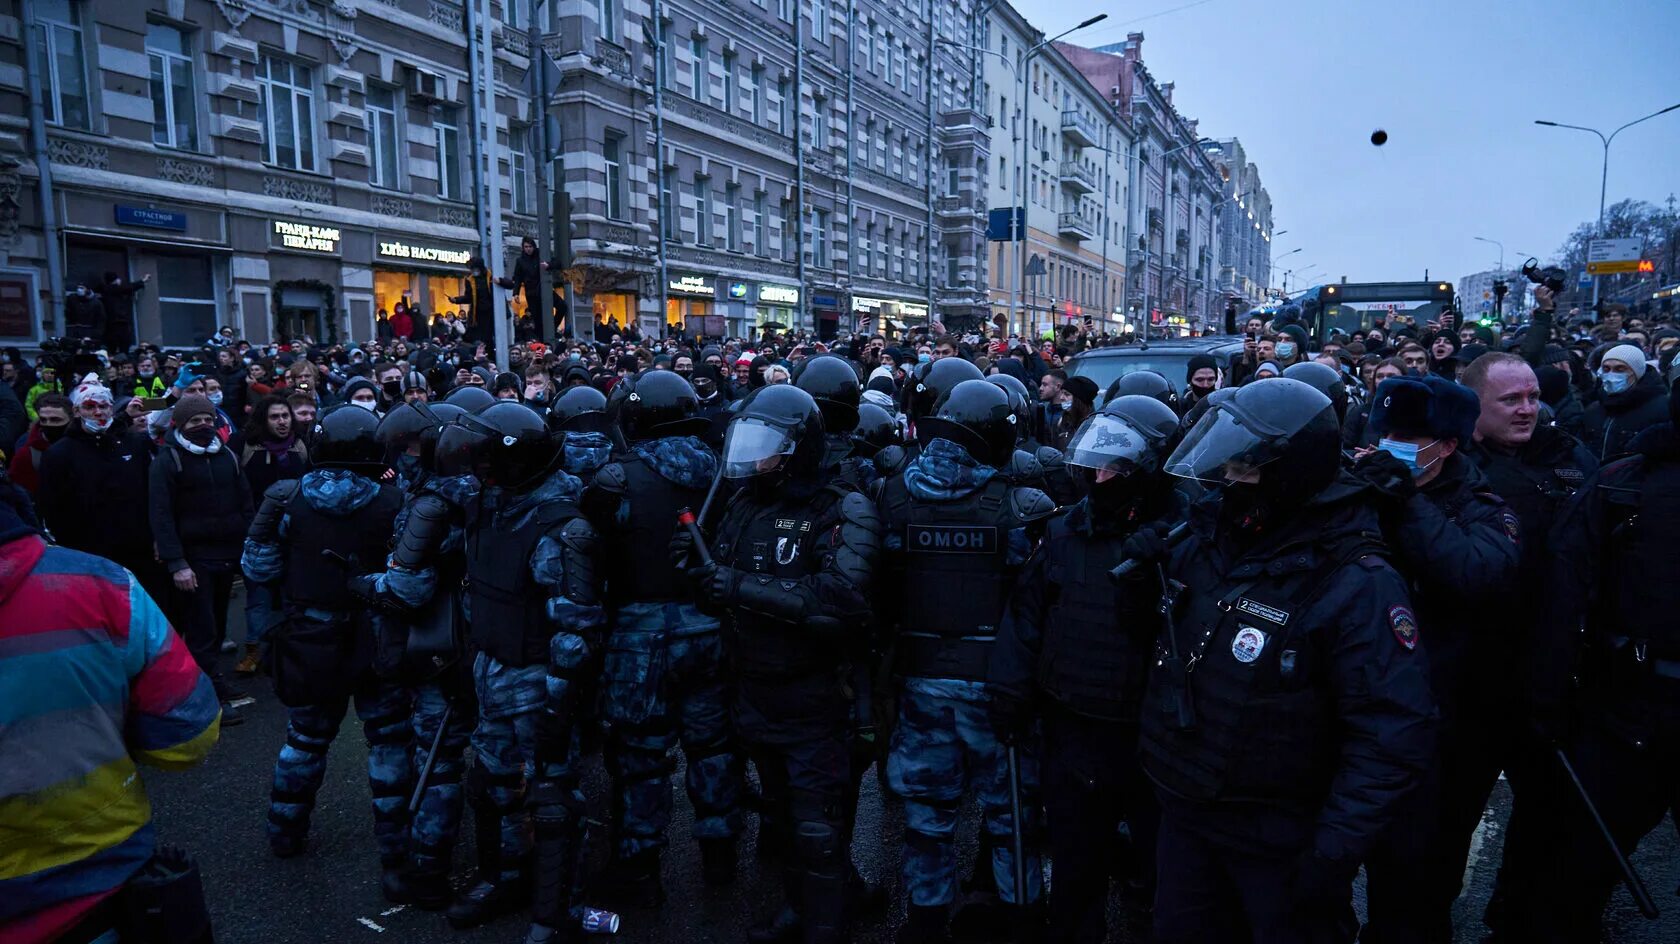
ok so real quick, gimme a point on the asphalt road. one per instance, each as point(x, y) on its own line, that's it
point(331, 893)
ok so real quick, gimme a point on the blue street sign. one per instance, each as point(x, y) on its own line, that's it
point(998, 224)
point(154, 218)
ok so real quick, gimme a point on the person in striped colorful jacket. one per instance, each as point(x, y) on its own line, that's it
point(93, 681)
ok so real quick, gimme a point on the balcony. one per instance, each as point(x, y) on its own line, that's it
point(1081, 130)
point(1077, 177)
point(950, 206)
point(1074, 226)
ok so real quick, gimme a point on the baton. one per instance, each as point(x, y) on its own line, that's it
point(431, 758)
point(1016, 840)
point(1174, 536)
point(706, 506)
point(1635, 886)
point(686, 519)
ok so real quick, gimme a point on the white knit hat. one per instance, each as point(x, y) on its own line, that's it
point(1629, 355)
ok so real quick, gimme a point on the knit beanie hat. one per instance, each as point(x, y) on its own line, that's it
point(1629, 355)
point(190, 406)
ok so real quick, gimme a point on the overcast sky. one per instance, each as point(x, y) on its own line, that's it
point(1457, 85)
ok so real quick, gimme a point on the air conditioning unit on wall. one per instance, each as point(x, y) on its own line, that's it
point(426, 86)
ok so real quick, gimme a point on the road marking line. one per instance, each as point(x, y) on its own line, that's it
point(391, 911)
point(369, 922)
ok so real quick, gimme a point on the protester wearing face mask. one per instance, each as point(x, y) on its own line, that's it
point(362, 392)
point(1457, 543)
point(200, 509)
point(93, 487)
point(52, 422)
point(1631, 397)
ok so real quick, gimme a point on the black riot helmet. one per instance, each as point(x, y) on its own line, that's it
point(976, 416)
point(1117, 448)
point(876, 430)
point(347, 437)
point(399, 429)
point(1143, 383)
point(777, 435)
point(579, 410)
point(831, 381)
point(935, 381)
point(508, 446)
point(1279, 438)
point(1020, 402)
point(1325, 380)
point(655, 404)
point(470, 398)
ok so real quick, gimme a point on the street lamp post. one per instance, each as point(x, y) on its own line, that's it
point(1484, 239)
point(1604, 173)
point(1271, 265)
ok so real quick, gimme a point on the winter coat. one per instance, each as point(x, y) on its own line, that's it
point(200, 504)
point(93, 493)
point(1614, 419)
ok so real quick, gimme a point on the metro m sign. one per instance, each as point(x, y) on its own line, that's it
point(1647, 266)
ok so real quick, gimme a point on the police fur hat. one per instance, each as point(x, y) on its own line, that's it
point(1425, 406)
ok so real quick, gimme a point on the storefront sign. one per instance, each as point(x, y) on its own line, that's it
point(778, 294)
point(824, 300)
point(306, 237)
point(699, 286)
point(154, 218)
point(406, 251)
point(738, 290)
point(913, 311)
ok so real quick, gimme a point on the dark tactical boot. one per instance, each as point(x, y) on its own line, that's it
point(717, 861)
point(923, 924)
point(485, 901)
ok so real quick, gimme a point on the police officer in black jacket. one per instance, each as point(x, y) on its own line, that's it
point(1288, 712)
point(1613, 577)
point(1455, 542)
point(794, 558)
point(833, 383)
point(1074, 651)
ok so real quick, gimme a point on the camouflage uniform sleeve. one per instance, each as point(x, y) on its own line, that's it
point(838, 593)
point(567, 564)
point(411, 578)
point(261, 559)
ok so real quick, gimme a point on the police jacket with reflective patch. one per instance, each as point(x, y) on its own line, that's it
point(358, 543)
point(1069, 631)
point(508, 608)
point(636, 530)
point(952, 562)
point(1313, 712)
point(806, 561)
point(1455, 543)
point(1613, 573)
point(1535, 480)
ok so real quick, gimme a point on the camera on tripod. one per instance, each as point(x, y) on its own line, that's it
point(1553, 277)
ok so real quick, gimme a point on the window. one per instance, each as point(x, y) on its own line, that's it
point(819, 238)
point(881, 152)
point(607, 9)
point(174, 107)
point(448, 153)
point(761, 243)
point(612, 146)
point(513, 13)
point(952, 262)
point(784, 107)
point(903, 70)
point(1005, 49)
point(382, 138)
point(755, 95)
point(668, 59)
point(819, 21)
point(953, 177)
point(697, 76)
point(59, 44)
point(519, 168)
point(819, 119)
point(868, 131)
point(702, 211)
point(784, 9)
point(915, 158)
point(186, 298)
point(863, 248)
point(667, 206)
point(731, 97)
point(732, 217)
point(788, 242)
point(866, 46)
point(881, 47)
point(287, 100)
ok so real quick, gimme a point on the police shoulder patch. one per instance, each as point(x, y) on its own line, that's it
point(1508, 518)
point(1404, 626)
point(1247, 644)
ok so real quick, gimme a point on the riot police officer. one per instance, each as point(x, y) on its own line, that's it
point(664, 658)
point(579, 416)
point(1288, 711)
point(1455, 543)
point(421, 631)
point(955, 538)
point(470, 398)
point(833, 383)
point(1612, 576)
point(313, 536)
point(795, 556)
point(1074, 650)
point(534, 598)
point(1033, 465)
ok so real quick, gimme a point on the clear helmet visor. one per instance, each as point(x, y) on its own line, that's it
point(1110, 447)
point(753, 447)
point(1221, 449)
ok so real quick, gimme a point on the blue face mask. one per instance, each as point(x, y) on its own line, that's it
point(1407, 453)
point(1285, 349)
point(1614, 382)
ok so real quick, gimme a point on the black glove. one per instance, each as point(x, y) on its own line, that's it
point(1010, 715)
point(681, 549)
point(1147, 545)
point(365, 587)
point(716, 583)
point(1387, 475)
point(1318, 885)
